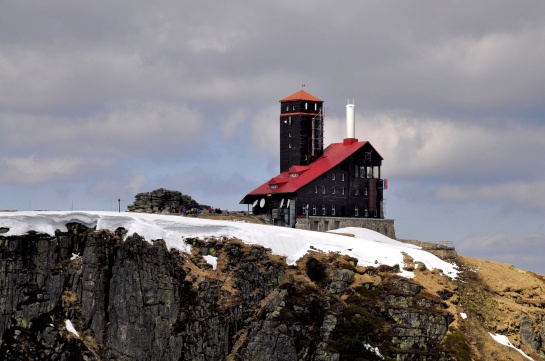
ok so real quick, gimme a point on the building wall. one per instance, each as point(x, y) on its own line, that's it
point(345, 191)
point(383, 226)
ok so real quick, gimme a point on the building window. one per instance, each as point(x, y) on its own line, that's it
point(289, 120)
point(287, 107)
point(364, 191)
point(316, 189)
point(323, 210)
point(342, 190)
point(306, 106)
point(366, 212)
point(313, 210)
point(369, 172)
point(356, 211)
point(342, 177)
point(294, 175)
point(323, 189)
point(289, 145)
point(332, 176)
point(362, 171)
point(332, 210)
point(274, 186)
point(324, 176)
point(315, 106)
point(357, 191)
point(289, 134)
point(333, 190)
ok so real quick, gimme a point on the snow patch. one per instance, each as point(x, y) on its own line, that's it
point(212, 261)
point(71, 328)
point(505, 341)
point(463, 315)
point(370, 248)
point(375, 350)
point(75, 256)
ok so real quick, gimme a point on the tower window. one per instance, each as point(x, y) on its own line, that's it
point(315, 106)
point(287, 107)
point(306, 106)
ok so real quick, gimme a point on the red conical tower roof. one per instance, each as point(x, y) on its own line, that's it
point(301, 95)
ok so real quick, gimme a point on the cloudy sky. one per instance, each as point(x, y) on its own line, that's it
point(101, 100)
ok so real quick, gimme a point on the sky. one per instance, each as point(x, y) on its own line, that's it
point(105, 99)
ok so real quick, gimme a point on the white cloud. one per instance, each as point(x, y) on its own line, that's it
point(518, 194)
point(32, 170)
point(135, 129)
point(454, 150)
point(265, 131)
point(230, 125)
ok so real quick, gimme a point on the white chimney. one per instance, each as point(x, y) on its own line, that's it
point(350, 121)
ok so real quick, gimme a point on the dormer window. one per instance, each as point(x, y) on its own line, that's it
point(293, 175)
point(274, 186)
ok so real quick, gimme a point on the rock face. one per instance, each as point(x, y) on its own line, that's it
point(132, 300)
point(161, 200)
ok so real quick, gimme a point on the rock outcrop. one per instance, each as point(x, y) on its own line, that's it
point(162, 200)
point(133, 300)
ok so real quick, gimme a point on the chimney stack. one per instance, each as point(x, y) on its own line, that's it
point(350, 124)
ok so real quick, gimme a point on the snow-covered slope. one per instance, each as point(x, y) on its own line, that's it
point(369, 247)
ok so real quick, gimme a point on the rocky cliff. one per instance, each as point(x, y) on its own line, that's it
point(133, 300)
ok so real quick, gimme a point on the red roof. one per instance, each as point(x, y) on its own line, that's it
point(301, 95)
point(299, 176)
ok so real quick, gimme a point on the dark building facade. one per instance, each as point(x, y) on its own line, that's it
point(342, 180)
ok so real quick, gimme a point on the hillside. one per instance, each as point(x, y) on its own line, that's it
point(109, 286)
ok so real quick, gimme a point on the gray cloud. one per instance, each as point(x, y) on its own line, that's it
point(100, 100)
point(524, 251)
